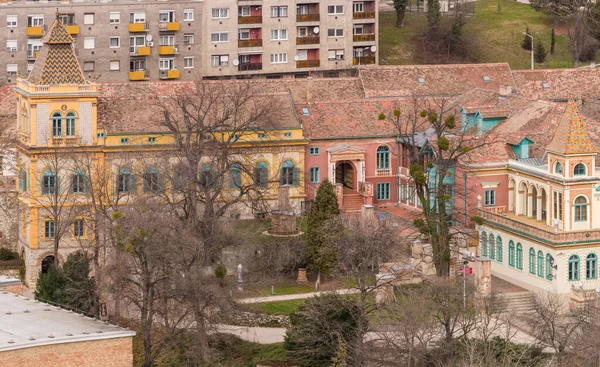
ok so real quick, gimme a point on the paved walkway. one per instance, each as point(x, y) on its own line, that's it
point(287, 297)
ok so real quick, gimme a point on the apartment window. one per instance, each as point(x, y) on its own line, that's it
point(358, 7)
point(137, 16)
point(67, 19)
point(357, 29)
point(335, 32)
point(88, 18)
point(220, 13)
point(166, 40)
point(89, 43)
point(166, 64)
point(335, 55)
point(35, 20)
point(89, 65)
point(219, 60)
point(114, 18)
point(302, 32)
point(244, 11)
point(279, 11)
point(136, 42)
point(11, 21)
point(244, 34)
point(188, 39)
point(12, 69)
point(188, 62)
point(78, 228)
point(114, 65)
point(49, 228)
point(279, 34)
point(218, 37)
point(137, 65)
point(114, 42)
point(188, 15)
point(302, 9)
point(490, 197)
point(279, 58)
point(314, 150)
point(335, 9)
point(315, 174)
point(557, 205)
point(383, 191)
point(33, 45)
point(166, 16)
point(11, 45)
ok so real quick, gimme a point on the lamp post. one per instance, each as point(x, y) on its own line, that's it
point(530, 36)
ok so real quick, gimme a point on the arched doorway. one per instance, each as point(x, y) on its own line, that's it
point(344, 174)
point(46, 263)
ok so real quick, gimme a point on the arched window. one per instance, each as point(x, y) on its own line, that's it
point(591, 266)
point(492, 247)
point(484, 251)
point(70, 124)
point(57, 124)
point(579, 169)
point(78, 181)
point(179, 178)
point(235, 176)
point(23, 179)
point(531, 260)
point(558, 168)
point(125, 180)
point(151, 180)
point(511, 253)
point(519, 256)
point(499, 249)
point(540, 264)
point(49, 182)
point(581, 204)
point(261, 174)
point(289, 174)
point(383, 157)
point(548, 267)
point(574, 268)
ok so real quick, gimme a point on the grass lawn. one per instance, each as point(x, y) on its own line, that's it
point(278, 308)
point(495, 37)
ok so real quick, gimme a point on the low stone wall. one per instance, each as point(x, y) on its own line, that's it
point(252, 319)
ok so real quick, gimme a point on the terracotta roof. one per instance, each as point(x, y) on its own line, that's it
point(559, 84)
point(57, 62)
point(404, 81)
point(571, 136)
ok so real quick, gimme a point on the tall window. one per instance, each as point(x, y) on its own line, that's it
point(49, 182)
point(579, 170)
point(557, 212)
point(79, 228)
point(289, 174)
point(70, 124)
point(580, 206)
point(57, 124)
point(235, 176)
point(179, 178)
point(78, 181)
point(382, 191)
point(315, 174)
point(540, 264)
point(484, 251)
point(261, 174)
point(207, 177)
point(492, 247)
point(151, 180)
point(511, 253)
point(23, 179)
point(49, 229)
point(531, 260)
point(574, 268)
point(591, 266)
point(548, 266)
point(489, 198)
point(383, 157)
point(124, 180)
point(519, 256)
point(499, 250)
point(558, 168)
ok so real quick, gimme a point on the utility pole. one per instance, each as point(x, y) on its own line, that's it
point(530, 36)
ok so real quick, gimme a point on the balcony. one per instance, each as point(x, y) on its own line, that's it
point(308, 40)
point(169, 74)
point(364, 15)
point(250, 43)
point(307, 64)
point(383, 172)
point(168, 26)
point(363, 60)
point(535, 230)
point(35, 31)
point(250, 66)
point(141, 51)
point(137, 27)
point(363, 37)
point(307, 18)
point(138, 75)
point(73, 29)
point(168, 50)
point(250, 20)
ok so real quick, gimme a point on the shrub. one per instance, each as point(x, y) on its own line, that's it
point(540, 52)
point(221, 272)
point(7, 254)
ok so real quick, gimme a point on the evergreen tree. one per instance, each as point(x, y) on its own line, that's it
point(552, 42)
point(526, 43)
point(434, 15)
point(51, 286)
point(321, 252)
point(539, 52)
point(400, 7)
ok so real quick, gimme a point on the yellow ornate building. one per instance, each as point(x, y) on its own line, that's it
point(70, 126)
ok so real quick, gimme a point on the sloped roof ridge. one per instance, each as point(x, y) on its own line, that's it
point(571, 136)
point(439, 66)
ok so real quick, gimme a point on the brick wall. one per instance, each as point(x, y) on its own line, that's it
point(99, 353)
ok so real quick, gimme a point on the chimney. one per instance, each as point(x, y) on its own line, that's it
point(505, 91)
point(309, 83)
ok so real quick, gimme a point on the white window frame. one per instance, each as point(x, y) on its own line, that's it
point(37, 20)
point(220, 60)
point(114, 17)
point(89, 18)
point(170, 16)
point(336, 53)
point(302, 31)
point(190, 37)
point(186, 15)
point(33, 45)
point(133, 49)
point(220, 36)
point(112, 63)
point(11, 21)
point(279, 58)
point(276, 11)
point(188, 62)
point(110, 39)
point(139, 17)
point(241, 33)
point(87, 63)
point(337, 9)
point(358, 29)
point(242, 13)
point(222, 13)
point(12, 45)
point(338, 32)
point(12, 69)
point(89, 41)
point(279, 34)
point(166, 40)
point(489, 197)
point(358, 7)
point(170, 63)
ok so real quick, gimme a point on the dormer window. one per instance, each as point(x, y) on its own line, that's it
point(579, 170)
point(558, 168)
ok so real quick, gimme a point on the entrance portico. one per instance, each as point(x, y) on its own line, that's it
point(346, 165)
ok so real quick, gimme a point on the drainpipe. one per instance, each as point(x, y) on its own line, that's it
point(398, 172)
point(465, 198)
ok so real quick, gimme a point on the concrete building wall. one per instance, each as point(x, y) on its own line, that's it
point(115, 352)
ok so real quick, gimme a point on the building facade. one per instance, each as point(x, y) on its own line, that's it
point(124, 40)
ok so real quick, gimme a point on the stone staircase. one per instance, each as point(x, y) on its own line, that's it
point(352, 203)
point(519, 303)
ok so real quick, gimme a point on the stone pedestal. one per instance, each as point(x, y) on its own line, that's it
point(368, 212)
point(482, 269)
point(422, 258)
point(283, 224)
point(302, 276)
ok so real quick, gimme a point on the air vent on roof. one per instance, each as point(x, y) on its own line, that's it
point(305, 111)
point(545, 85)
point(487, 79)
point(421, 80)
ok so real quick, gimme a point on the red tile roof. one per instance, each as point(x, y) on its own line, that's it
point(559, 84)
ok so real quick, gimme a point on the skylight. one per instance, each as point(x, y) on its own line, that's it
point(305, 111)
point(421, 80)
point(545, 85)
point(487, 79)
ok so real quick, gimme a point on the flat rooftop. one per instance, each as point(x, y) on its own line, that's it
point(26, 323)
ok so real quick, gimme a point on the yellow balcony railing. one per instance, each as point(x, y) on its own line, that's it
point(168, 26)
point(364, 15)
point(37, 54)
point(363, 60)
point(170, 74)
point(36, 31)
point(137, 27)
point(141, 51)
point(73, 29)
point(167, 50)
point(138, 75)
point(363, 37)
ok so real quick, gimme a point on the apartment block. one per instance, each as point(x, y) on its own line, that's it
point(124, 40)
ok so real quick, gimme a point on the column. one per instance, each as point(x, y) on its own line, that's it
point(529, 205)
point(539, 207)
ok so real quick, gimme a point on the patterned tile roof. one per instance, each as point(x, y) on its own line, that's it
point(571, 136)
point(559, 84)
point(57, 62)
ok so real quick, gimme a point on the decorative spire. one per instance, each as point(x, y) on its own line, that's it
point(571, 136)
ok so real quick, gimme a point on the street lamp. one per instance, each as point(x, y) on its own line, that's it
point(466, 265)
point(530, 36)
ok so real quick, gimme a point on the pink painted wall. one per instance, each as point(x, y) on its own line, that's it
point(256, 11)
point(255, 33)
point(474, 189)
point(313, 54)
